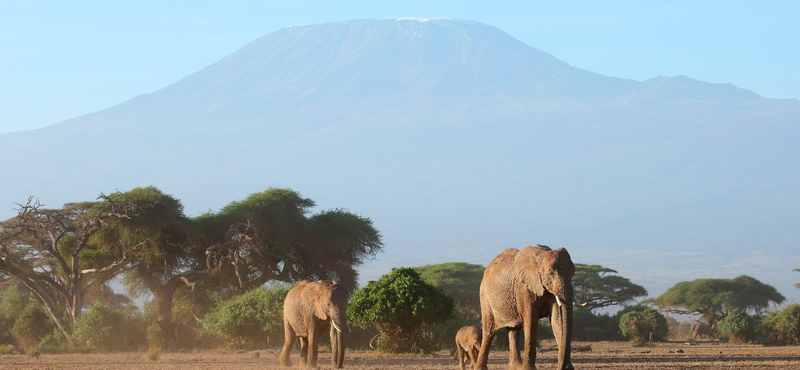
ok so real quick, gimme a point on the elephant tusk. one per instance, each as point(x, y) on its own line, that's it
point(336, 326)
point(558, 300)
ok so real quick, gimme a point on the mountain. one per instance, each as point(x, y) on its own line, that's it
point(458, 141)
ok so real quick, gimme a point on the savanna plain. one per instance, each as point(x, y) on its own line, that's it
point(593, 355)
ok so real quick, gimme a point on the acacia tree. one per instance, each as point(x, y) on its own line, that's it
point(265, 237)
point(714, 299)
point(166, 259)
point(596, 287)
point(53, 253)
point(270, 236)
point(460, 280)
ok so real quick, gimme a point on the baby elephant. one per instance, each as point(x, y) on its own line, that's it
point(468, 343)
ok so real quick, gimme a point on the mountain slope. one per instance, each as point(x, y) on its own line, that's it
point(457, 140)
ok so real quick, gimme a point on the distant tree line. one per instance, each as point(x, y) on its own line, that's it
point(220, 279)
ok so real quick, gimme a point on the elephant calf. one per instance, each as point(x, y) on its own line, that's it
point(468, 343)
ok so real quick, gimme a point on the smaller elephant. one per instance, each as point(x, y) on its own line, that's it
point(698, 330)
point(468, 343)
point(309, 309)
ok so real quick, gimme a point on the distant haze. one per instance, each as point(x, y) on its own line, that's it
point(458, 141)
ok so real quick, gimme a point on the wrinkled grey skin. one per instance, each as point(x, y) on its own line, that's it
point(698, 330)
point(518, 288)
point(308, 310)
point(468, 343)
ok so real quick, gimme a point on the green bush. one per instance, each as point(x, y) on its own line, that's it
point(31, 327)
point(249, 319)
point(784, 326)
point(110, 329)
point(641, 326)
point(740, 327)
point(399, 304)
point(13, 301)
point(587, 326)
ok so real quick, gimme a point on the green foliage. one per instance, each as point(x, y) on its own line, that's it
point(13, 301)
point(110, 329)
point(246, 320)
point(639, 326)
point(460, 280)
point(31, 327)
point(274, 233)
point(588, 326)
point(740, 327)
point(595, 286)
point(398, 304)
point(156, 231)
point(784, 326)
point(714, 299)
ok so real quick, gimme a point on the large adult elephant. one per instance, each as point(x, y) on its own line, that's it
point(308, 310)
point(518, 288)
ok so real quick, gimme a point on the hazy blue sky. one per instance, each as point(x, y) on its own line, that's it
point(59, 60)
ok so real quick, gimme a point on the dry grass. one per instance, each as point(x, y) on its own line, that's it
point(603, 355)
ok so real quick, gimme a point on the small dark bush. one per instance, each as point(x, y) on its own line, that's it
point(31, 327)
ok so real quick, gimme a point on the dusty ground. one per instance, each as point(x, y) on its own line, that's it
point(603, 355)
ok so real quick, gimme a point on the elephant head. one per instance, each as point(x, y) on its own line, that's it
point(547, 273)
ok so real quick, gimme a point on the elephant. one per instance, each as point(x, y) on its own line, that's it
point(699, 329)
point(468, 343)
point(518, 288)
point(308, 310)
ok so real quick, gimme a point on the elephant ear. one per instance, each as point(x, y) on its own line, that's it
point(566, 262)
point(527, 268)
point(317, 295)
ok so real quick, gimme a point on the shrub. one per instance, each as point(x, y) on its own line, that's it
point(399, 304)
point(784, 326)
point(640, 326)
point(590, 327)
point(109, 329)
point(32, 325)
point(249, 319)
point(13, 301)
point(740, 327)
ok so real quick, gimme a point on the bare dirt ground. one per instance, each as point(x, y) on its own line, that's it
point(603, 355)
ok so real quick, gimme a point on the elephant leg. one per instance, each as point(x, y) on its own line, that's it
point(314, 335)
point(514, 361)
point(489, 331)
point(529, 328)
point(288, 343)
point(473, 355)
point(303, 351)
point(462, 361)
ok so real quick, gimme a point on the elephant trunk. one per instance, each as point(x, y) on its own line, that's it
point(561, 321)
point(338, 323)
